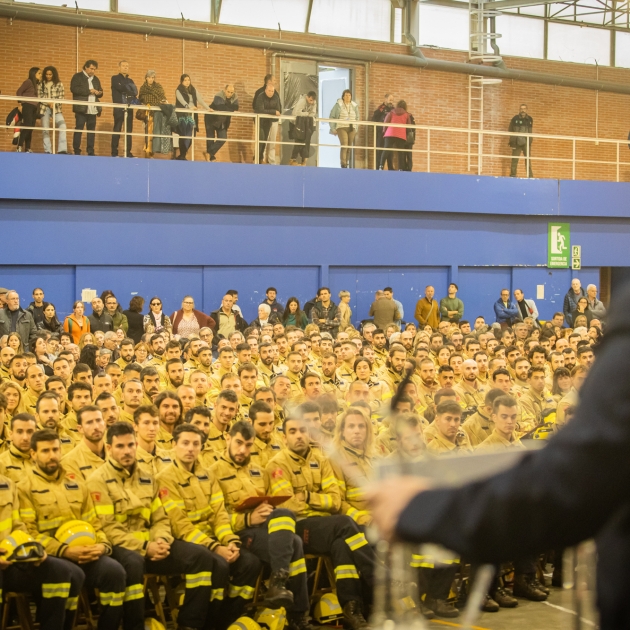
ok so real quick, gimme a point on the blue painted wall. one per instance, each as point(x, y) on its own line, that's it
point(143, 227)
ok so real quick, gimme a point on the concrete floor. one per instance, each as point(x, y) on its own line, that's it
point(554, 614)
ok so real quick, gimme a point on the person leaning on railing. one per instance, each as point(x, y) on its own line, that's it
point(188, 97)
point(50, 89)
point(124, 91)
point(396, 137)
point(267, 102)
point(152, 93)
point(86, 86)
point(217, 126)
point(29, 109)
point(347, 112)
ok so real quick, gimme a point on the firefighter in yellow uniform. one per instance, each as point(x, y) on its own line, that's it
point(150, 457)
point(193, 501)
point(223, 414)
point(128, 505)
point(16, 462)
point(267, 443)
point(480, 425)
point(49, 498)
point(471, 392)
point(89, 454)
point(54, 582)
point(48, 416)
point(304, 474)
point(267, 532)
point(395, 368)
point(352, 464)
point(447, 433)
point(535, 400)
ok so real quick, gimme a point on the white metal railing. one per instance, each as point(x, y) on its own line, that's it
point(432, 142)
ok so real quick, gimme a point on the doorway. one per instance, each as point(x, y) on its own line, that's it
point(300, 77)
point(332, 82)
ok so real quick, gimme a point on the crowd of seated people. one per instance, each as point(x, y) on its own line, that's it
point(203, 446)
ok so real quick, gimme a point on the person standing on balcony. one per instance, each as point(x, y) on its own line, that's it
point(124, 91)
point(267, 102)
point(521, 123)
point(347, 112)
point(50, 89)
point(28, 89)
point(395, 137)
point(85, 86)
point(273, 130)
point(379, 116)
point(217, 126)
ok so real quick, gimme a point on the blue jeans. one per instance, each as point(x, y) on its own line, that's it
point(60, 130)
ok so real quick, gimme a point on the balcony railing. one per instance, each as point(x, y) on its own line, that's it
point(436, 148)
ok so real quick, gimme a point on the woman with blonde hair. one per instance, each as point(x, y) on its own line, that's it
point(86, 339)
point(352, 463)
point(345, 312)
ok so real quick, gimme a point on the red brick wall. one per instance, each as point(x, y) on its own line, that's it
point(435, 98)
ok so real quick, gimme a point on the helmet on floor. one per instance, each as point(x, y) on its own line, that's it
point(21, 547)
point(328, 609)
point(244, 623)
point(153, 624)
point(76, 534)
point(269, 619)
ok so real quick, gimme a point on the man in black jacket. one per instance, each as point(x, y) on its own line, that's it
point(13, 318)
point(227, 319)
point(379, 116)
point(124, 90)
point(217, 126)
point(100, 319)
point(267, 102)
point(521, 123)
point(85, 86)
point(574, 489)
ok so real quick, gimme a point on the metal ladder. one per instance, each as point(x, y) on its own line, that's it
point(478, 15)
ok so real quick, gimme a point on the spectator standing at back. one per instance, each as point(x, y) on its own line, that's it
point(505, 310)
point(51, 89)
point(267, 102)
point(346, 111)
point(427, 309)
point(395, 137)
point(124, 91)
point(571, 299)
point(85, 86)
point(526, 308)
point(187, 97)
point(272, 302)
point(389, 294)
point(451, 307)
point(217, 126)
point(36, 307)
point(304, 111)
point(13, 318)
point(383, 310)
point(152, 94)
point(28, 89)
point(521, 123)
point(595, 306)
point(379, 116)
point(273, 130)
point(325, 313)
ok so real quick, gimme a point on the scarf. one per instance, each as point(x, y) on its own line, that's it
point(152, 94)
point(154, 319)
point(188, 93)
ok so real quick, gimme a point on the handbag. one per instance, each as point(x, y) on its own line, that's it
point(411, 136)
point(142, 114)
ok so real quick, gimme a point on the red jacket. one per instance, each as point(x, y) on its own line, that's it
point(398, 116)
point(204, 321)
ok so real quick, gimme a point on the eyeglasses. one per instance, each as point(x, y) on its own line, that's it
point(188, 302)
point(156, 303)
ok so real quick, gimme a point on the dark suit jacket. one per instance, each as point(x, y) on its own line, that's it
point(574, 489)
point(80, 89)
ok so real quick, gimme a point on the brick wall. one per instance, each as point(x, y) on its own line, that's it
point(435, 98)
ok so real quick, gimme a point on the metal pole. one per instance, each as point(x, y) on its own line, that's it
point(428, 150)
point(480, 155)
point(573, 158)
point(54, 131)
point(375, 132)
point(257, 139)
point(192, 143)
point(617, 161)
point(125, 130)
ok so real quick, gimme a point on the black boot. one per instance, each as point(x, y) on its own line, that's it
point(536, 583)
point(278, 596)
point(441, 607)
point(523, 587)
point(489, 605)
point(300, 621)
point(354, 617)
point(504, 599)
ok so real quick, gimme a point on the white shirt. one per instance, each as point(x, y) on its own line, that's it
point(92, 97)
